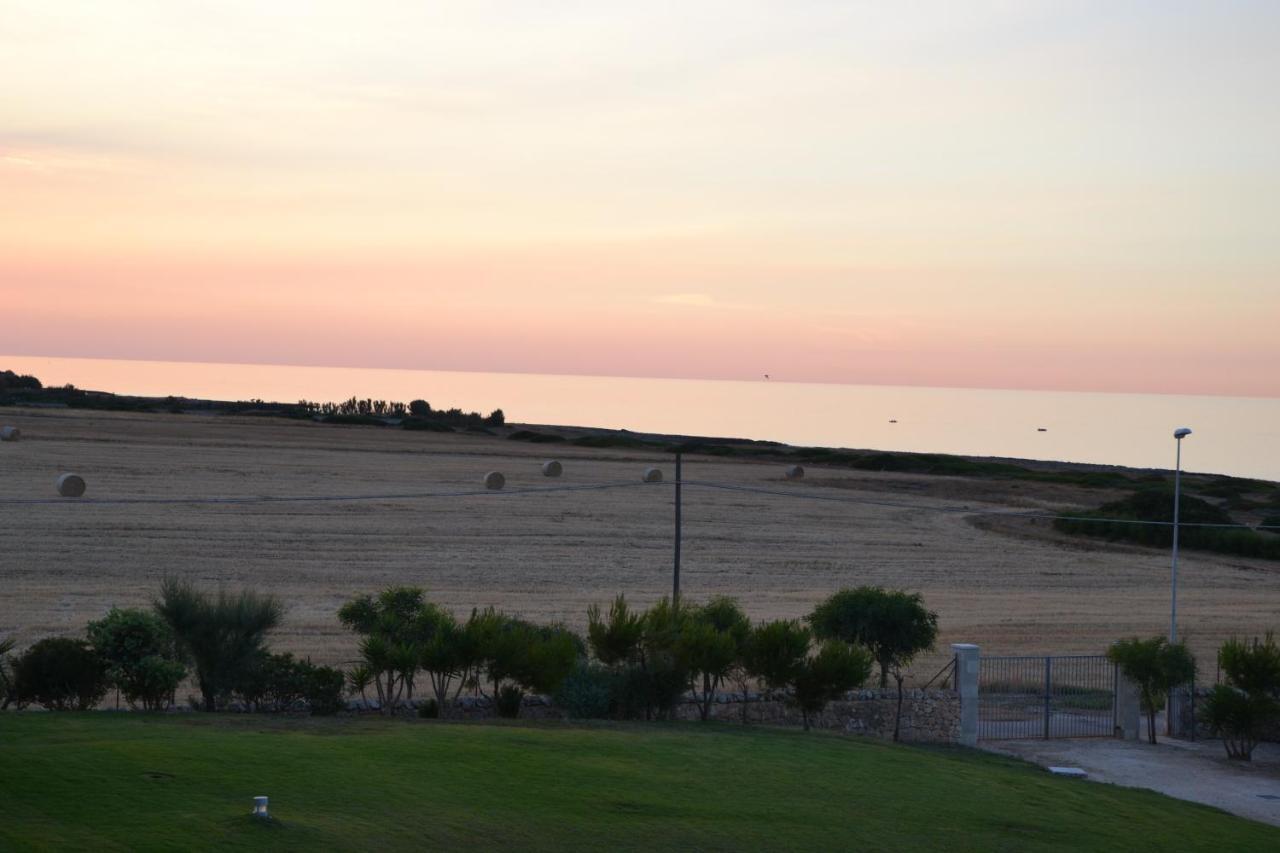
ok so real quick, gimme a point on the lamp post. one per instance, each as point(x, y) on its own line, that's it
point(1178, 434)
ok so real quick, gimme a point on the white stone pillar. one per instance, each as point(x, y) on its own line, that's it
point(967, 686)
point(1128, 709)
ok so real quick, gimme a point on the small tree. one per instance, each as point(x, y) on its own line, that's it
point(1156, 666)
point(836, 669)
point(141, 656)
point(450, 657)
point(665, 659)
point(616, 641)
point(61, 674)
point(419, 408)
point(1242, 709)
point(893, 625)
point(777, 651)
point(711, 643)
point(221, 635)
point(519, 656)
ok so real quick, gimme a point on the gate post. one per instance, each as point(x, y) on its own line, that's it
point(1128, 708)
point(967, 686)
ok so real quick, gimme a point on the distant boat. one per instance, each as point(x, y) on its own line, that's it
point(1041, 429)
point(893, 420)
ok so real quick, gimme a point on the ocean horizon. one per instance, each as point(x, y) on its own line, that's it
point(1238, 436)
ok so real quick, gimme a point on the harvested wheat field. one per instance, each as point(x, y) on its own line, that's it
point(1011, 586)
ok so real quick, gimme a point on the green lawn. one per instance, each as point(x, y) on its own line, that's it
point(133, 782)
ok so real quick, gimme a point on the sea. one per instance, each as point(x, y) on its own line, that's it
point(1231, 435)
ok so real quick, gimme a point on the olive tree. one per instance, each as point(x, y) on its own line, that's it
point(893, 625)
point(1156, 666)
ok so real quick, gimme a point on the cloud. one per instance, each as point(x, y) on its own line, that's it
point(699, 300)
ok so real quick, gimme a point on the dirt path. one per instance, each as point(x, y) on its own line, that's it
point(1198, 771)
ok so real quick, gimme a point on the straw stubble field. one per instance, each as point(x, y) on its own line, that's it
point(1011, 587)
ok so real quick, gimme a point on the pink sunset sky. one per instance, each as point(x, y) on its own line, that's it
point(1068, 195)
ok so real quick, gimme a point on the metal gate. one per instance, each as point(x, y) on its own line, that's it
point(1046, 697)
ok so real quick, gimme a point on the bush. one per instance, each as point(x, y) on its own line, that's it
point(277, 683)
point(508, 701)
point(1156, 504)
point(1237, 717)
point(141, 657)
point(223, 635)
point(589, 692)
point(7, 692)
point(429, 709)
point(61, 674)
point(836, 669)
point(419, 408)
point(1240, 712)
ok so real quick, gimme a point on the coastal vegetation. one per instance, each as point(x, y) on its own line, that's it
point(1116, 522)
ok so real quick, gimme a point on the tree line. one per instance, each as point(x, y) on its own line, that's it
point(631, 664)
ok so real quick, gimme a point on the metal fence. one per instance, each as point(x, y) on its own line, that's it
point(1046, 697)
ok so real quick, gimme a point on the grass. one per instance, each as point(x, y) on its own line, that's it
point(134, 782)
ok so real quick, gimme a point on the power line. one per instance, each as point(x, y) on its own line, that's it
point(959, 510)
point(266, 499)
point(539, 490)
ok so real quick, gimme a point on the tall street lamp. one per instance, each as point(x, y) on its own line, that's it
point(1178, 434)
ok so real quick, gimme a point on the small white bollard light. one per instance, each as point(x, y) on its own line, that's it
point(260, 807)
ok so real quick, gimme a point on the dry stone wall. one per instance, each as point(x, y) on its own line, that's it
point(928, 716)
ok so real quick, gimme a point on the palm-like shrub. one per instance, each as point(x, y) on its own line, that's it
point(222, 635)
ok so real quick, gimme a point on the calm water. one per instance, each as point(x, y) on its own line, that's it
point(1239, 436)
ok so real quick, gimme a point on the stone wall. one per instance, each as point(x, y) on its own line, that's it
point(928, 716)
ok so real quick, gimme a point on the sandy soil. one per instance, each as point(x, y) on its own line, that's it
point(1198, 771)
point(1012, 588)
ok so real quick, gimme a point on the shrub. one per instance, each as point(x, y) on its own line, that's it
point(589, 692)
point(1156, 666)
point(836, 669)
point(221, 635)
point(508, 700)
point(518, 655)
point(1237, 717)
point(7, 691)
point(61, 674)
point(711, 642)
point(277, 683)
point(140, 655)
point(776, 652)
point(419, 408)
point(1240, 712)
point(429, 709)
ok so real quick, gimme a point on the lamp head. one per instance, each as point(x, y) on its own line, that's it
point(1181, 432)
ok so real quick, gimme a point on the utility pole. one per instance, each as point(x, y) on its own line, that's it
point(675, 580)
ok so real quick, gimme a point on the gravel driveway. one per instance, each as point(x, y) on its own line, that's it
point(1190, 770)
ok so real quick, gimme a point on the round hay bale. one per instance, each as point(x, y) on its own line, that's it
point(653, 475)
point(70, 485)
point(494, 480)
point(10, 433)
point(552, 468)
point(795, 472)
